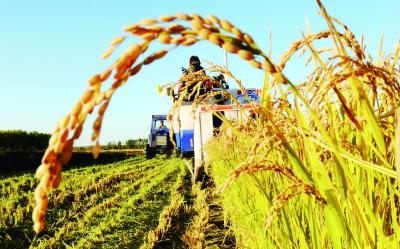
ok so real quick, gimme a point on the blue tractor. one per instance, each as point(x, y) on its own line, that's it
point(159, 138)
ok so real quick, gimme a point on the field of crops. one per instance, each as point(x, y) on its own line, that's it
point(112, 205)
point(133, 203)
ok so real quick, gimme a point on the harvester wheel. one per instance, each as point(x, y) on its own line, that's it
point(149, 152)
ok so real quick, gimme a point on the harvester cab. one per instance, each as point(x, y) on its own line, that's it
point(158, 140)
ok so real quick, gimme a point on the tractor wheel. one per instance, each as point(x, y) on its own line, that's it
point(169, 153)
point(149, 152)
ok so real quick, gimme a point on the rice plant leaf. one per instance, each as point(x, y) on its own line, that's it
point(358, 161)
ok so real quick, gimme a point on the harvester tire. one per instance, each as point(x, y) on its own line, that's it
point(149, 152)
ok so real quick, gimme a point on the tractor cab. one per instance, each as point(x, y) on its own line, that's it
point(158, 140)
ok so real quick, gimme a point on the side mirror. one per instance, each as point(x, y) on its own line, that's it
point(184, 70)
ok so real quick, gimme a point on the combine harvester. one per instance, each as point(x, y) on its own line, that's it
point(192, 126)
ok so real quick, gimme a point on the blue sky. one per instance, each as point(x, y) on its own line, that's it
point(49, 49)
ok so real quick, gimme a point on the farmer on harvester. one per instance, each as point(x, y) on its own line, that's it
point(195, 64)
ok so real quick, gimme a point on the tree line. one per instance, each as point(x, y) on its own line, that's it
point(23, 151)
point(138, 143)
point(18, 140)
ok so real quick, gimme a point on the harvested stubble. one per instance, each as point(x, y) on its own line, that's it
point(96, 215)
point(194, 236)
point(166, 232)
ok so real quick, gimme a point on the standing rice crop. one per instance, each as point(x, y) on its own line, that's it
point(319, 170)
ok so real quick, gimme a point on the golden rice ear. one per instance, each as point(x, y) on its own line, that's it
point(63, 135)
point(49, 156)
point(176, 29)
point(238, 33)
point(183, 16)
point(279, 77)
point(248, 38)
point(197, 24)
point(148, 22)
point(226, 25)
point(230, 47)
point(160, 54)
point(135, 69)
point(189, 42)
point(86, 97)
point(148, 37)
point(204, 33)
point(214, 19)
point(118, 40)
point(74, 122)
point(167, 18)
point(45, 184)
point(214, 38)
point(130, 28)
point(96, 150)
point(95, 80)
point(41, 170)
point(245, 55)
point(178, 40)
point(255, 64)
point(106, 74)
point(97, 123)
point(103, 108)
point(77, 109)
point(66, 153)
point(38, 227)
point(107, 53)
point(57, 181)
point(78, 131)
point(165, 37)
point(65, 121)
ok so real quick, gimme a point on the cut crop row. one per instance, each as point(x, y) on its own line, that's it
point(136, 215)
point(92, 214)
point(15, 210)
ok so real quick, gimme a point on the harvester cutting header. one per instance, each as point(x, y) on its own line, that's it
point(200, 104)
